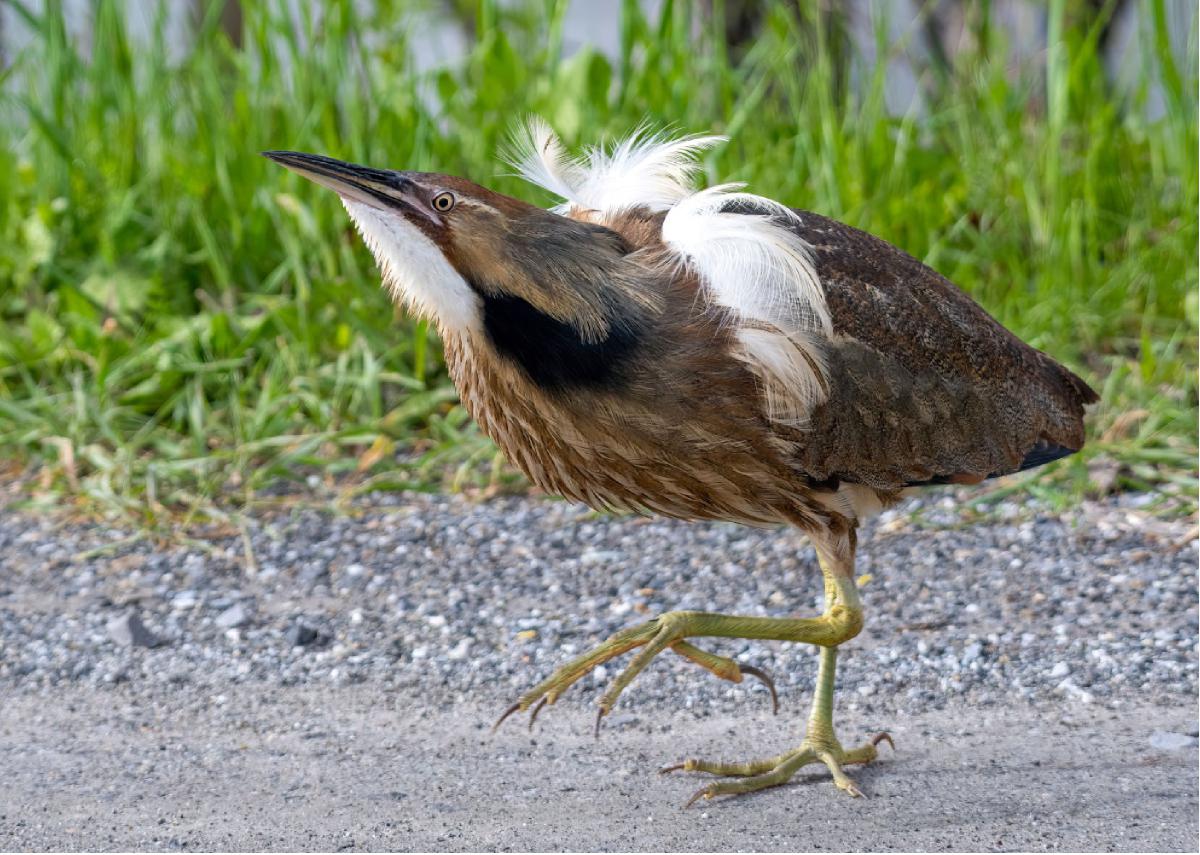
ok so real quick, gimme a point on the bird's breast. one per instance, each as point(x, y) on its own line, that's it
point(609, 451)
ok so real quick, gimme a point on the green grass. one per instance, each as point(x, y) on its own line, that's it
point(183, 325)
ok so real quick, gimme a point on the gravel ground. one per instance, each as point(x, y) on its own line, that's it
point(429, 603)
point(457, 599)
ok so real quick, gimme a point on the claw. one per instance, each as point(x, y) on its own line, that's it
point(766, 678)
point(506, 714)
point(883, 736)
point(700, 793)
point(537, 709)
point(853, 791)
point(666, 770)
point(600, 714)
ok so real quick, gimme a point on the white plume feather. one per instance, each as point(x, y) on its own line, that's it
point(540, 158)
point(754, 263)
point(646, 169)
point(763, 272)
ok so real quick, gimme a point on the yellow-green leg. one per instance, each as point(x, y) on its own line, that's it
point(841, 620)
point(819, 745)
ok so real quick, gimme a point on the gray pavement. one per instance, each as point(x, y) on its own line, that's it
point(351, 769)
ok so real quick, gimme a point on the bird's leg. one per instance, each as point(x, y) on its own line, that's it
point(841, 620)
point(837, 624)
point(820, 744)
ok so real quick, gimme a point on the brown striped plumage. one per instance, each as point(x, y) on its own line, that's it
point(707, 355)
point(926, 387)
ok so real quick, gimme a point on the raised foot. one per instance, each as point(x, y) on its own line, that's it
point(773, 771)
point(668, 631)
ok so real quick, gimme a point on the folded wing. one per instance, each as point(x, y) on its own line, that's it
point(924, 385)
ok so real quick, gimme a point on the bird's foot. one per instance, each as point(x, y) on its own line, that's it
point(773, 771)
point(667, 631)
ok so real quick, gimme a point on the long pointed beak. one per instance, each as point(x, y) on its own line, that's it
point(380, 188)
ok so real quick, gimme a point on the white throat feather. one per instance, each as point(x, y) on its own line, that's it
point(415, 270)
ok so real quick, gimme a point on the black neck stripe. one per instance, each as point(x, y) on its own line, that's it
point(552, 353)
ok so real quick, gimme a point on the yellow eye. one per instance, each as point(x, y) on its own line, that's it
point(443, 202)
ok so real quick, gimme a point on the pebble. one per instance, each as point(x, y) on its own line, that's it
point(233, 617)
point(129, 631)
point(300, 634)
point(1165, 740)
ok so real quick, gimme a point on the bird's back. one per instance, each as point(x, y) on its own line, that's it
point(925, 386)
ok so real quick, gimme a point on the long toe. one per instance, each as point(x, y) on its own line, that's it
point(763, 774)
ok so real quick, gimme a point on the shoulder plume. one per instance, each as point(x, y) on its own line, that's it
point(759, 270)
point(646, 169)
point(539, 156)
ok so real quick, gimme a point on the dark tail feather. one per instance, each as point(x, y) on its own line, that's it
point(1044, 452)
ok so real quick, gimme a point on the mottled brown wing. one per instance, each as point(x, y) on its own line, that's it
point(925, 386)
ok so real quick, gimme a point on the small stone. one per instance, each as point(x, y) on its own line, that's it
point(1069, 688)
point(233, 617)
point(1165, 740)
point(129, 631)
point(117, 675)
point(314, 574)
point(460, 650)
point(972, 652)
point(1060, 670)
point(599, 556)
point(300, 634)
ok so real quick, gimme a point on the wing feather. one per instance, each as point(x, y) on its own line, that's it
point(924, 385)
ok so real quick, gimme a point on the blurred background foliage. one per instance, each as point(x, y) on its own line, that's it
point(185, 327)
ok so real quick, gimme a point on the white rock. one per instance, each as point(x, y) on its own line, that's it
point(460, 650)
point(1165, 740)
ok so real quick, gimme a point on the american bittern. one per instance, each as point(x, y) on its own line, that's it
point(710, 355)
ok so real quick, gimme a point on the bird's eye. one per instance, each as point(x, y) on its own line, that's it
point(443, 202)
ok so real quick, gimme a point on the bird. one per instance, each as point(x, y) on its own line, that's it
point(649, 346)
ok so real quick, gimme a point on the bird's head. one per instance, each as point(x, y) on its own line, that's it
point(456, 252)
